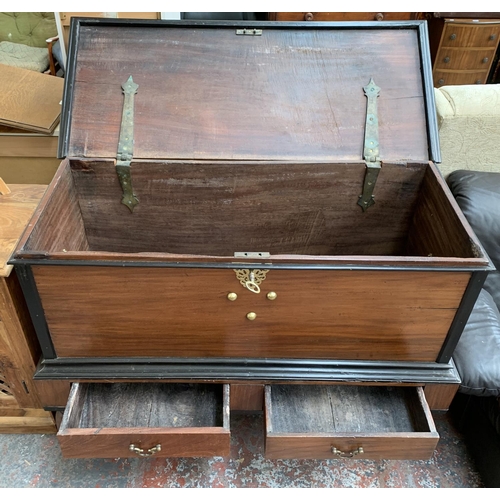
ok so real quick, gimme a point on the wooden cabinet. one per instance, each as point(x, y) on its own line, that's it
point(465, 51)
point(20, 407)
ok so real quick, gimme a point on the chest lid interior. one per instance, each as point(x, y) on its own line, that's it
point(263, 91)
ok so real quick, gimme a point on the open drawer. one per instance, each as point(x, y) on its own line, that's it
point(145, 419)
point(347, 421)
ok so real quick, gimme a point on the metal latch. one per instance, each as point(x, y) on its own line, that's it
point(371, 152)
point(126, 145)
point(247, 31)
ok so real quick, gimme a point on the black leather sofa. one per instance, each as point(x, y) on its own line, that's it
point(476, 407)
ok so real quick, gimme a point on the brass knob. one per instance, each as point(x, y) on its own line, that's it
point(232, 296)
point(453, 37)
point(446, 59)
point(485, 60)
point(309, 16)
point(272, 295)
point(379, 16)
point(251, 316)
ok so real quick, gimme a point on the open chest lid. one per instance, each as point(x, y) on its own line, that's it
point(270, 91)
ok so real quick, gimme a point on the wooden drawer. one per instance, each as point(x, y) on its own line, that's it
point(470, 35)
point(165, 420)
point(459, 77)
point(467, 59)
point(340, 16)
point(321, 421)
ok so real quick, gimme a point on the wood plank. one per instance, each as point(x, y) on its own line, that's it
point(52, 393)
point(440, 396)
point(192, 104)
point(16, 208)
point(32, 422)
point(439, 227)
point(247, 397)
point(57, 224)
point(331, 314)
point(217, 209)
point(28, 170)
point(28, 146)
point(22, 91)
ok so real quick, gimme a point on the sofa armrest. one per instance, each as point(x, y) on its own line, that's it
point(469, 127)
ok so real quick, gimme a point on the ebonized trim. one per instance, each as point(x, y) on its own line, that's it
point(254, 265)
point(464, 310)
point(37, 314)
point(224, 370)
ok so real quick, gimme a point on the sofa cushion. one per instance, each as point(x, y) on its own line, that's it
point(478, 195)
point(469, 127)
point(27, 28)
point(478, 352)
point(22, 56)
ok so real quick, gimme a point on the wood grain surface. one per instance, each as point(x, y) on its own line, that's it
point(16, 209)
point(210, 94)
point(114, 311)
point(30, 100)
point(387, 422)
point(218, 209)
point(173, 416)
point(57, 224)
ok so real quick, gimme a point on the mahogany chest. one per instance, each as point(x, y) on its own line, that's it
point(244, 207)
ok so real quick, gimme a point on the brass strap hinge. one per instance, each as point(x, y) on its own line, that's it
point(371, 152)
point(126, 145)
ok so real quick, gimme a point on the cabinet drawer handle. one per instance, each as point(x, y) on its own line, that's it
point(379, 16)
point(347, 454)
point(142, 453)
point(446, 59)
point(309, 16)
point(492, 37)
point(478, 82)
point(485, 60)
point(453, 37)
point(441, 81)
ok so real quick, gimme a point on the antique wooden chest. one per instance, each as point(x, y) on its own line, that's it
point(252, 204)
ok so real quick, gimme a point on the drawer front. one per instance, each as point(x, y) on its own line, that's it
point(466, 59)
point(297, 314)
point(470, 35)
point(348, 422)
point(459, 78)
point(127, 420)
point(342, 16)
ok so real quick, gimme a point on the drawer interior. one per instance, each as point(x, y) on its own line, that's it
point(298, 409)
point(139, 405)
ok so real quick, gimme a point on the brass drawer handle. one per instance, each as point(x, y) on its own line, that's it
point(308, 16)
point(347, 454)
point(142, 453)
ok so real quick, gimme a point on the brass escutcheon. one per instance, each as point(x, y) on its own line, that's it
point(347, 454)
point(142, 453)
point(251, 278)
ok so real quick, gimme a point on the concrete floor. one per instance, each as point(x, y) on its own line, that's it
point(35, 461)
